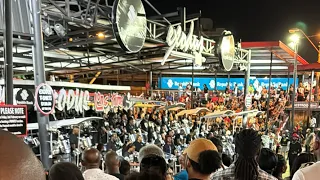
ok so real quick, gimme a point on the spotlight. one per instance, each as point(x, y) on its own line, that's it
point(101, 35)
point(60, 30)
point(46, 29)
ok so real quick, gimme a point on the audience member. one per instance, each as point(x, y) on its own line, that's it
point(113, 165)
point(268, 160)
point(311, 172)
point(280, 168)
point(151, 158)
point(91, 161)
point(248, 144)
point(301, 161)
point(202, 159)
point(17, 159)
point(183, 174)
point(124, 167)
point(65, 171)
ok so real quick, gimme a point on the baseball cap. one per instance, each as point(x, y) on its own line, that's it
point(197, 146)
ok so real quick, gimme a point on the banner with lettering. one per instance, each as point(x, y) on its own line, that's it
point(172, 83)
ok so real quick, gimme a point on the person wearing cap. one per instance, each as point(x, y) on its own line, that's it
point(202, 159)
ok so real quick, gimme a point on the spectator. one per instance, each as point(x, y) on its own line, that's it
point(267, 160)
point(294, 150)
point(151, 158)
point(138, 143)
point(197, 155)
point(91, 161)
point(169, 147)
point(309, 140)
point(124, 167)
point(248, 144)
point(17, 160)
point(303, 160)
point(113, 165)
point(145, 175)
point(65, 171)
point(183, 174)
point(280, 168)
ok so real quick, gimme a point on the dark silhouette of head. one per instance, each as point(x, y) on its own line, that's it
point(248, 145)
point(65, 171)
point(302, 159)
point(124, 167)
point(17, 161)
point(91, 158)
point(268, 160)
point(112, 162)
point(281, 166)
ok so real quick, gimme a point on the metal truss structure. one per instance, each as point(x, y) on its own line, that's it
point(79, 42)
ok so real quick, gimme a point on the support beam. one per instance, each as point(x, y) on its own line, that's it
point(8, 62)
point(39, 75)
point(95, 77)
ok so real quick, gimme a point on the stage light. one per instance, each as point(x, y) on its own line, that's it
point(101, 35)
point(46, 29)
point(60, 30)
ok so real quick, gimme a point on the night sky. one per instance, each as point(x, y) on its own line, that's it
point(258, 20)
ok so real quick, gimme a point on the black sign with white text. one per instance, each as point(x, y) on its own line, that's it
point(44, 98)
point(25, 97)
point(14, 118)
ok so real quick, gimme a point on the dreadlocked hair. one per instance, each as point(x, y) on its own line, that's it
point(248, 144)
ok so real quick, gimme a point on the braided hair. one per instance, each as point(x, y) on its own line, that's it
point(248, 144)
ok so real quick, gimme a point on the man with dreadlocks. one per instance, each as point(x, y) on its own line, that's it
point(248, 144)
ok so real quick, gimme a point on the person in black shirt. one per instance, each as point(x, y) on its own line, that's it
point(113, 165)
point(74, 138)
point(169, 147)
point(112, 143)
point(130, 127)
point(138, 143)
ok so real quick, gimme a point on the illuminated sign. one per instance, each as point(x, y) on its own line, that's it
point(221, 83)
point(189, 45)
point(226, 50)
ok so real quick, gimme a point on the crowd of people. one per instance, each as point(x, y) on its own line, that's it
point(156, 143)
point(203, 159)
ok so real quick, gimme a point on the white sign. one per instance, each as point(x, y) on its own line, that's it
point(248, 101)
point(188, 44)
point(227, 50)
point(44, 99)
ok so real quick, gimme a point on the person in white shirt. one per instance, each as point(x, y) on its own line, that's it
point(257, 96)
point(313, 122)
point(311, 172)
point(91, 161)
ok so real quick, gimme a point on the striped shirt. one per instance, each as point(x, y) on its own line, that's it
point(229, 174)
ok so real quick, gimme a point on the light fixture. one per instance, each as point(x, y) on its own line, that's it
point(46, 29)
point(60, 30)
point(101, 35)
point(294, 38)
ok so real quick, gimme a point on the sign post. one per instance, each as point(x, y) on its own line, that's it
point(39, 78)
point(14, 118)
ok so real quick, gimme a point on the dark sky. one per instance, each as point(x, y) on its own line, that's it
point(258, 20)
